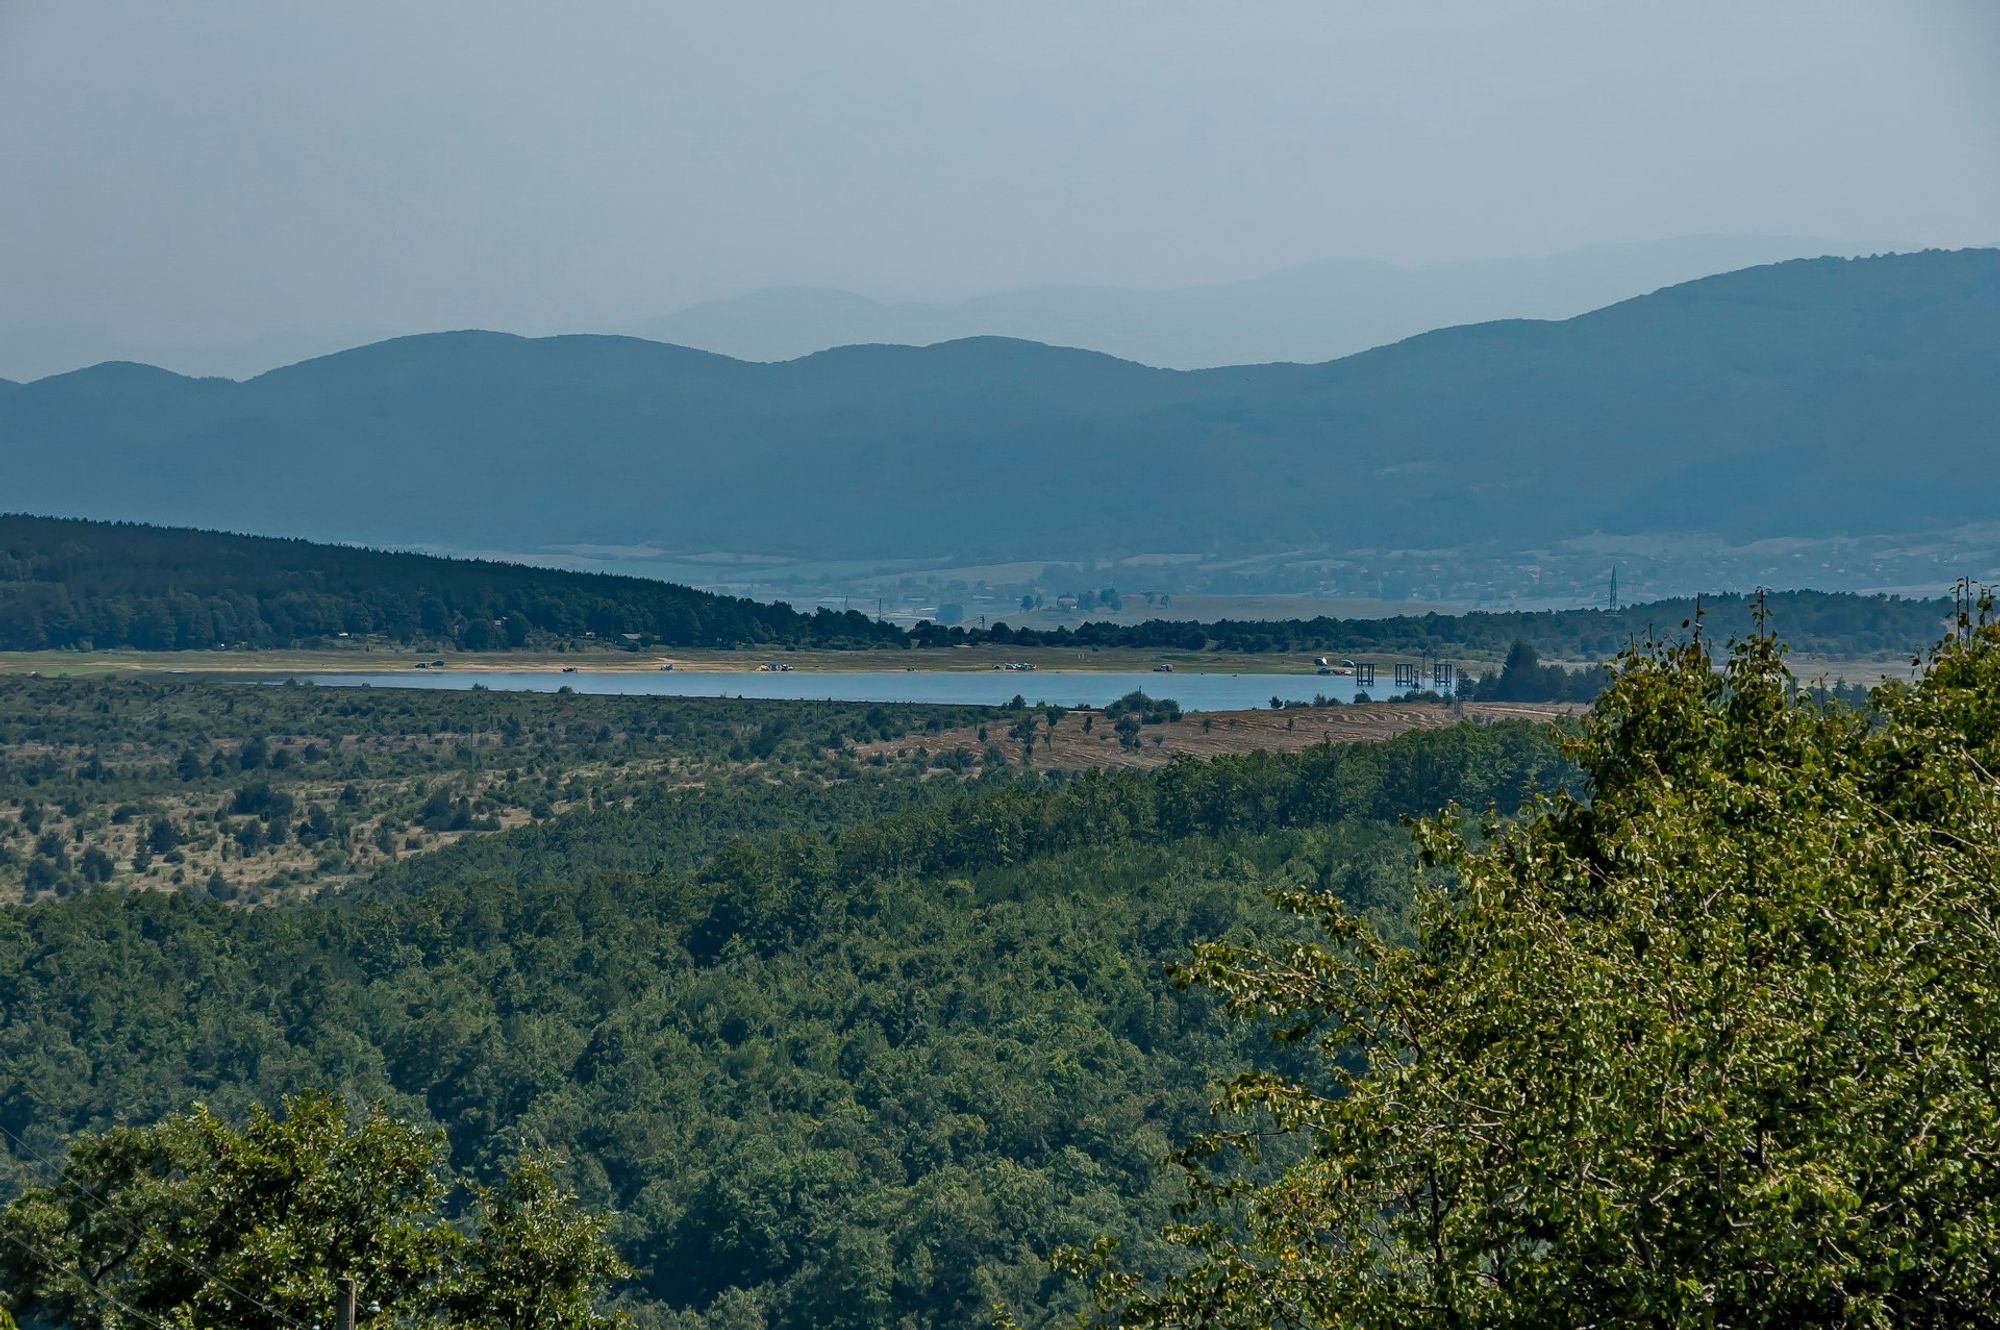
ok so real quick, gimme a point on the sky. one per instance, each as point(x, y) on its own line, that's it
point(177, 173)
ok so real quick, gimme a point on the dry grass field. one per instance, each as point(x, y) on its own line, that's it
point(1073, 747)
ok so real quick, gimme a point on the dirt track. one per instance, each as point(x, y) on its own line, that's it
point(1208, 733)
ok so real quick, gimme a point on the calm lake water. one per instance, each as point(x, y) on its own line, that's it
point(1070, 688)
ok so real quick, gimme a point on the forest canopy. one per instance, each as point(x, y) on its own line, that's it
point(1713, 1047)
point(1695, 1037)
point(854, 1068)
point(194, 1222)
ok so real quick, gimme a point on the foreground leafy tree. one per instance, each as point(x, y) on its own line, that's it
point(1715, 1047)
point(196, 1223)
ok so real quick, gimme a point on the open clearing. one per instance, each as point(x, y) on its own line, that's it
point(1070, 747)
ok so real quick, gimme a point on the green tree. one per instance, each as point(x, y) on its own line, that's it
point(535, 1261)
point(162, 837)
point(193, 1221)
point(1523, 678)
point(1714, 1047)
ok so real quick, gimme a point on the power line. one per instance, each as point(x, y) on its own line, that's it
point(36, 1157)
point(129, 1228)
point(88, 1283)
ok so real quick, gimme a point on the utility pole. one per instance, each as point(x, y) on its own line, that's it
point(347, 1302)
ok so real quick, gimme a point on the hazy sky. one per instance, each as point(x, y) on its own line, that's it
point(217, 170)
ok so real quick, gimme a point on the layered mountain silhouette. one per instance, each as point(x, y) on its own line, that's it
point(32, 352)
point(1308, 313)
point(1816, 397)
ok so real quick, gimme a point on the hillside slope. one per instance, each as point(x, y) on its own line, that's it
point(66, 583)
point(1818, 397)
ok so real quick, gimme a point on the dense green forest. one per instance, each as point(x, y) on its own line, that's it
point(1712, 1047)
point(827, 1044)
point(66, 584)
point(95, 584)
point(865, 1063)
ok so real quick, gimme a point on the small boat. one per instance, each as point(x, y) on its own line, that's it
point(569, 669)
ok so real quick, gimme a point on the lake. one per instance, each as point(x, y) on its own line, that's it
point(1069, 688)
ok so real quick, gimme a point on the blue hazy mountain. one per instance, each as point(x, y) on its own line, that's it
point(1811, 398)
point(30, 352)
point(1311, 312)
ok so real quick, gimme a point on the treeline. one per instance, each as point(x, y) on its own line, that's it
point(912, 829)
point(1523, 677)
point(1821, 622)
point(852, 1073)
point(77, 584)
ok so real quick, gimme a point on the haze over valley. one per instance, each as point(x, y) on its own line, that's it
point(1062, 665)
point(1723, 433)
point(1310, 312)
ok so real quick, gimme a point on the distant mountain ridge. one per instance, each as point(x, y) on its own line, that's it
point(32, 352)
point(1306, 313)
point(1816, 397)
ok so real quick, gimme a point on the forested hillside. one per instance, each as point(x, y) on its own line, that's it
point(66, 583)
point(1775, 401)
point(96, 584)
point(860, 1074)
